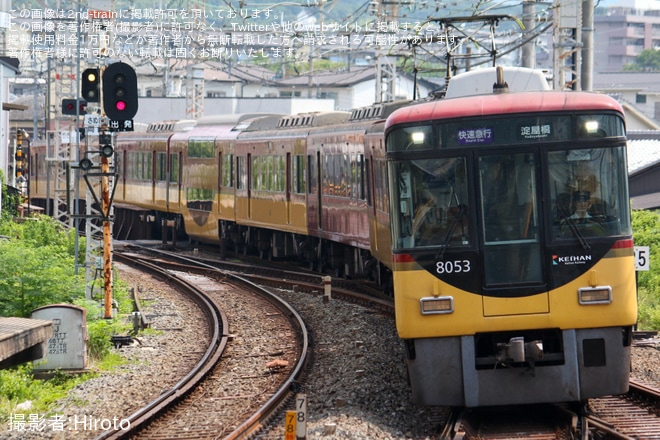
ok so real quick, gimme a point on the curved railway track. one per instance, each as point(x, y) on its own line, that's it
point(175, 401)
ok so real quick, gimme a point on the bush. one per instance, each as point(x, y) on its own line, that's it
point(646, 232)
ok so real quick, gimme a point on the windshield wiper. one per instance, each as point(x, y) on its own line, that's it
point(576, 232)
point(450, 231)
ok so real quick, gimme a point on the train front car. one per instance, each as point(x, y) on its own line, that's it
point(512, 246)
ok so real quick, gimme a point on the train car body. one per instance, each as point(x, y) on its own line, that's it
point(145, 169)
point(509, 286)
point(206, 184)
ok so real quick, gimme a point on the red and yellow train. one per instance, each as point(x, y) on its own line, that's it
point(500, 222)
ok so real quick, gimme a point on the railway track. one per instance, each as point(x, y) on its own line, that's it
point(177, 410)
point(633, 416)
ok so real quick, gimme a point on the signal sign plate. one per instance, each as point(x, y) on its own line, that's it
point(126, 125)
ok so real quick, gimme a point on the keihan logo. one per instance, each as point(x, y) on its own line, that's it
point(570, 259)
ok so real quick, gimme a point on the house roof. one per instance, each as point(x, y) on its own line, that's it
point(345, 78)
point(643, 154)
point(237, 72)
point(11, 63)
point(648, 82)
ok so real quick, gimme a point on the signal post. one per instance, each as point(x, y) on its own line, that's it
point(118, 84)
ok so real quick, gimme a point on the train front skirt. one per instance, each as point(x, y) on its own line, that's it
point(446, 371)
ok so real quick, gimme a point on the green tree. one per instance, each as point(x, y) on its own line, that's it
point(36, 266)
point(10, 199)
point(648, 60)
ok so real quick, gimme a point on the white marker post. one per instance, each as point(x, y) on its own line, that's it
point(301, 417)
point(642, 258)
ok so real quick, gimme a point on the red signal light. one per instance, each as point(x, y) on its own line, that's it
point(120, 105)
point(69, 106)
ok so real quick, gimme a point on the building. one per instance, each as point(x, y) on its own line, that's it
point(622, 32)
point(638, 92)
point(9, 68)
point(644, 170)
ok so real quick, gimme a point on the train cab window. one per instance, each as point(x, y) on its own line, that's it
point(587, 191)
point(510, 223)
point(431, 203)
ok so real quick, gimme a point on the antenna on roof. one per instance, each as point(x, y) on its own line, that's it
point(500, 85)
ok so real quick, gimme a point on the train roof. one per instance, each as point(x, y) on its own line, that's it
point(503, 103)
point(231, 119)
point(480, 81)
point(170, 126)
point(314, 119)
point(377, 111)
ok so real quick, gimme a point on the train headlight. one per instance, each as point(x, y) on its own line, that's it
point(591, 127)
point(434, 305)
point(417, 137)
point(595, 295)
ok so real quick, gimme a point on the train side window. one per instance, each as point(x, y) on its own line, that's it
point(299, 174)
point(161, 167)
point(175, 168)
point(227, 172)
point(241, 172)
point(312, 173)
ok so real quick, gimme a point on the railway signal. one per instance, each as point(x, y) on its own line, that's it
point(18, 156)
point(69, 106)
point(91, 85)
point(120, 95)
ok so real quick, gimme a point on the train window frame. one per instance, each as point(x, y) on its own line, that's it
point(299, 174)
point(201, 148)
point(226, 170)
point(161, 166)
point(432, 205)
point(241, 173)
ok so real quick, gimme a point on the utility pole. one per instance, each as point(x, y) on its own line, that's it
point(386, 12)
point(588, 45)
point(567, 42)
point(529, 49)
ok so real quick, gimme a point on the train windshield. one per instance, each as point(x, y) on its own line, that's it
point(433, 202)
point(438, 205)
point(588, 193)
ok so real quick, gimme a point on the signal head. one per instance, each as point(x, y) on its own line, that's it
point(120, 99)
point(69, 106)
point(90, 85)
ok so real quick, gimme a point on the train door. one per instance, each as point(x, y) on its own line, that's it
point(249, 185)
point(510, 230)
point(174, 184)
point(287, 187)
point(153, 181)
point(373, 233)
point(319, 185)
